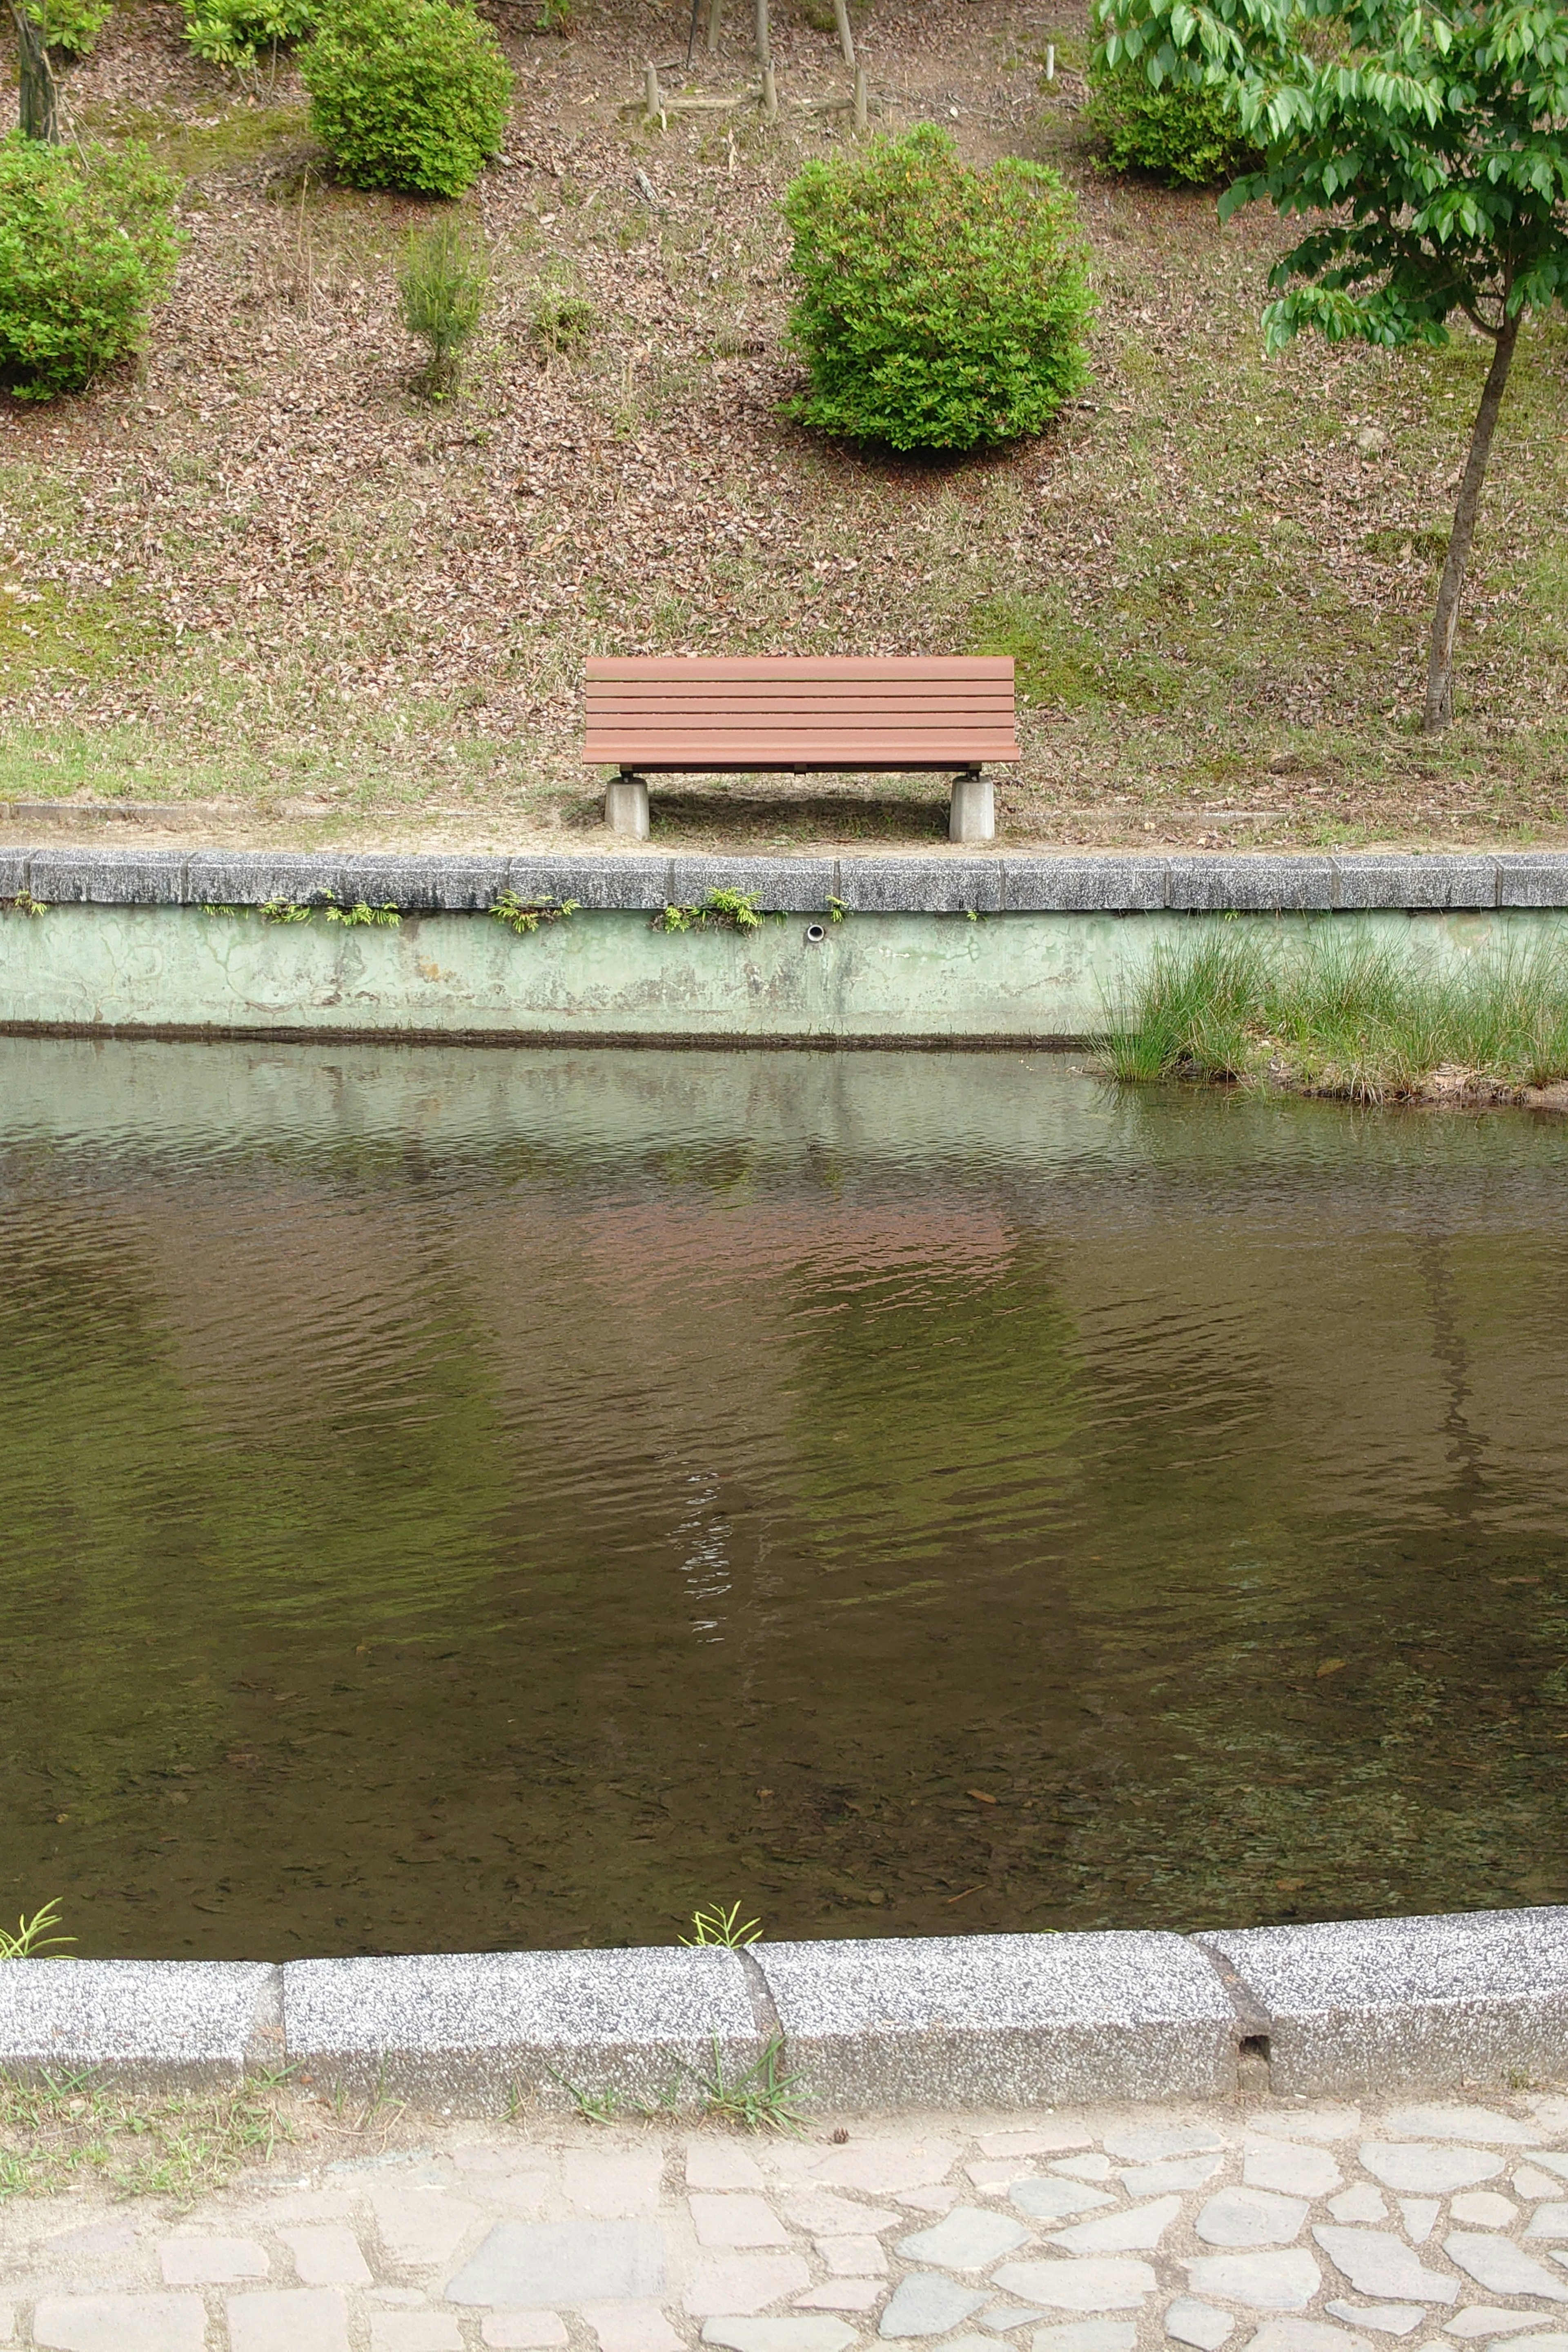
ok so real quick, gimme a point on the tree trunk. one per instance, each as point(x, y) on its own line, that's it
point(763, 58)
point(841, 23)
point(1440, 709)
point(39, 113)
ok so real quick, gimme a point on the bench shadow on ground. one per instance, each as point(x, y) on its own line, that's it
point(782, 819)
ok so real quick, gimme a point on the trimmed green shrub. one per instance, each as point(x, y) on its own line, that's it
point(236, 32)
point(407, 93)
point(941, 306)
point(87, 243)
point(72, 24)
point(1186, 137)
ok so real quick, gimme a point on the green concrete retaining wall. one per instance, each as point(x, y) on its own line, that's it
point(866, 951)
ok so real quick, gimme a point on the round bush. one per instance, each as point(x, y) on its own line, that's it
point(87, 243)
point(407, 93)
point(941, 307)
point(1186, 137)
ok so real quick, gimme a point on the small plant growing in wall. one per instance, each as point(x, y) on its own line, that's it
point(24, 903)
point(360, 915)
point(283, 910)
point(523, 916)
point(722, 910)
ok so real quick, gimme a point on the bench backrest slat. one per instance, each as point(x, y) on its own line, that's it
point(663, 712)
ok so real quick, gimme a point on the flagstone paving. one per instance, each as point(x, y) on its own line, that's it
point(1274, 2228)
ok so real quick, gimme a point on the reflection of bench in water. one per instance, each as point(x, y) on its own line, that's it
point(666, 715)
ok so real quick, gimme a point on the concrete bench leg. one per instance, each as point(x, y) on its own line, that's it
point(973, 813)
point(625, 806)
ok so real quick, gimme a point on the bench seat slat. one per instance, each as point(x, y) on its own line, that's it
point(840, 712)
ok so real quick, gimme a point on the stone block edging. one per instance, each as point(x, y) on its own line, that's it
point(1344, 2009)
point(1110, 883)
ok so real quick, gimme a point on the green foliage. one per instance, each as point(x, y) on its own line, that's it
point(763, 2098)
point(87, 243)
point(283, 910)
point(235, 32)
point(606, 2105)
point(715, 1926)
point(360, 915)
point(1429, 151)
point(72, 24)
point(443, 283)
point(24, 903)
point(563, 323)
point(941, 307)
point(722, 910)
point(1187, 137)
point(1352, 1019)
point(60, 2132)
point(523, 916)
point(1429, 147)
point(34, 1936)
point(407, 93)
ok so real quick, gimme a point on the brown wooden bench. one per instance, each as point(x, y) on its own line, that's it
point(667, 715)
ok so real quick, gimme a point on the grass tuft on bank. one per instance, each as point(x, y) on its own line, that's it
point(1356, 1019)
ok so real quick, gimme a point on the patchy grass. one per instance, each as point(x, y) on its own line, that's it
point(72, 2129)
point(268, 571)
point(1351, 1018)
point(66, 2129)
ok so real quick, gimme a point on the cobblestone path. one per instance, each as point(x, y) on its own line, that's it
point(1273, 2229)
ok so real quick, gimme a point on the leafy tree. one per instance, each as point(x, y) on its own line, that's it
point(1430, 144)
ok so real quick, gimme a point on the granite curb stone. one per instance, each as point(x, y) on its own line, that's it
point(1411, 882)
point(1004, 2020)
point(151, 2020)
point(1258, 886)
point(1341, 2008)
point(479, 2026)
point(1255, 882)
point(1067, 885)
point(249, 878)
point(1533, 879)
point(787, 886)
point(1390, 2002)
point(458, 885)
point(137, 877)
point(628, 885)
point(919, 885)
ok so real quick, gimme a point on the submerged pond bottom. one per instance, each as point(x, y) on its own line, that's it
point(456, 1499)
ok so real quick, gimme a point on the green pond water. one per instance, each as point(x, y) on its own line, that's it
point(456, 1500)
